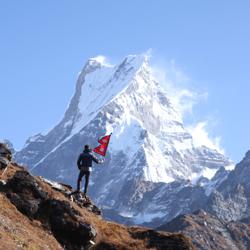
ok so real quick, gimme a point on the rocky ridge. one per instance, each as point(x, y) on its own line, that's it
point(36, 213)
point(208, 232)
point(224, 222)
point(231, 199)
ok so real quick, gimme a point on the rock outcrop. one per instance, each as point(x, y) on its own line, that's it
point(231, 199)
point(36, 213)
point(208, 232)
point(5, 155)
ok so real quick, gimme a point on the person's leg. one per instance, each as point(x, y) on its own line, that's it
point(81, 174)
point(87, 173)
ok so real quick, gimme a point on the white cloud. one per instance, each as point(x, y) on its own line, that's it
point(102, 60)
point(184, 97)
point(178, 86)
point(201, 136)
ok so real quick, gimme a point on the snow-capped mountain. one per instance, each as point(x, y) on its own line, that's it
point(151, 154)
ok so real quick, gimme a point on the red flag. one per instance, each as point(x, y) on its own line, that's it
point(102, 148)
point(105, 139)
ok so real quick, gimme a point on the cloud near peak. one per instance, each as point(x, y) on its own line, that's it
point(184, 98)
point(201, 136)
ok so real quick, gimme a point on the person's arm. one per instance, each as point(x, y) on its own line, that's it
point(79, 161)
point(96, 160)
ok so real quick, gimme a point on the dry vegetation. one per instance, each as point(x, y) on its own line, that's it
point(21, 231)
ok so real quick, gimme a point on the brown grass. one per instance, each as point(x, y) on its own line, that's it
point(19, 232)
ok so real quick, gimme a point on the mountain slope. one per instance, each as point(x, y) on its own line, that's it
point(224, 222)
point(149, 142)
point(209, 232)
point(231, 199)
point(38, 214)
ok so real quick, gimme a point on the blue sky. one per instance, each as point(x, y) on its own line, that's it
point(44, 44)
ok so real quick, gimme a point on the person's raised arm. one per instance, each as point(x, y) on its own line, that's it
point(96, 160)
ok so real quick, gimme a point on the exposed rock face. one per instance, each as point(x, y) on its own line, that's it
point(66, 224)
point(209, 232)
point(154, 199)
point(149, 146)
point(225, 224)
point(36, 213)
point(231, 200)
point(5, 155)
point(156, 240)
point(9, 145)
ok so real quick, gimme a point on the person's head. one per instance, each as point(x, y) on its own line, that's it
point(87, 148)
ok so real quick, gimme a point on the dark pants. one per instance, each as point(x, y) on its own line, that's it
point(81, 174)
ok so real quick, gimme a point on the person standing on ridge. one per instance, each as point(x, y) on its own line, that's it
point(84, 164)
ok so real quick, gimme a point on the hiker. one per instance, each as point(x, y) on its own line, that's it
point(84, 164)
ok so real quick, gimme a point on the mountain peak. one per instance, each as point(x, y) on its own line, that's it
point(135, 61)
point(98, 61)
point(149, 141)
point(247, 156)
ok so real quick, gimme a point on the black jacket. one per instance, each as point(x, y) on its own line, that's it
point(85, 160)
